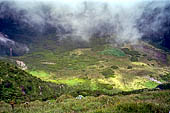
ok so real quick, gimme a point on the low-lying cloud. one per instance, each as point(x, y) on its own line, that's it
point(6, 45)
point(83, 19)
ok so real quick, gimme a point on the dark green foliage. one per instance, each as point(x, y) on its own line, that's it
point(144, 55)
point(129, 52)
point(113, 52)
point(105, 86)
point(114, 67)
point(134, 59)
point(149, 59)
point(18, 86)
point(108, 73)
point(139, 108)
point(134, 54)
point(153, 64)
point(166, 77)
point(164, 86)
point(129, 67)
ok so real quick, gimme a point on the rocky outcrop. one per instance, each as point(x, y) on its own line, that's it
point(154, 23)
point(10, 47)
point(21, 64)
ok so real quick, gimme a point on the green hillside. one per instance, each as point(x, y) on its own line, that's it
point(18, 86)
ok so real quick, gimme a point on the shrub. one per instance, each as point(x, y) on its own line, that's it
point(129, 52)
point(105, 86)
point(129, 67)
point(108, 73)
point(134, 59)
point(166, 77)
point(164, 86)
point(114, 67)
point(149, 59)
point(144, 55)
point(139, 108)
point(113, 52)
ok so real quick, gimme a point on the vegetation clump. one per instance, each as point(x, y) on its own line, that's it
point(149, 59)
point(134, 59)
point(108, 73)
point(129, 67)
point(164, 86)
point(129, 52)
point(113, 52)
point(134, 54)
point(166, 77)
point(18, 86)
point(114, 67)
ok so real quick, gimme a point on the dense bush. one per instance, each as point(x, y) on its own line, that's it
point(108, 73)
point(113, 52)
point(149, 59)
point(134, 59)
point(114, 67)
point(139, 108)
point(166, 77)
point(129, 52)
point(18, 86)
point(129, 67)
point(164, 86)
point(134, 54)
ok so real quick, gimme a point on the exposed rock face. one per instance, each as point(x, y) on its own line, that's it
point(13, 30)
point(13, 22)
point(10, 47)
point(155, 23)
point(21, 64)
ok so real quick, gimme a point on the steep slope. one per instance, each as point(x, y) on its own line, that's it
point(18, 86)
point(154, 24)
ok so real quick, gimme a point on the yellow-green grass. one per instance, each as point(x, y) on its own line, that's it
point(118, 82)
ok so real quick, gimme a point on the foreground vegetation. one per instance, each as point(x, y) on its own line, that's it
point(146, 102)
point(17, 86)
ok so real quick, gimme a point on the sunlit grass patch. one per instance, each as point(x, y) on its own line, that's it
point(39, 73)
point(79, 51)
point(150, 84)
point(42, 75)
point(122, 83)
point(113, 52)
point(139, 63)
point(72, 81)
